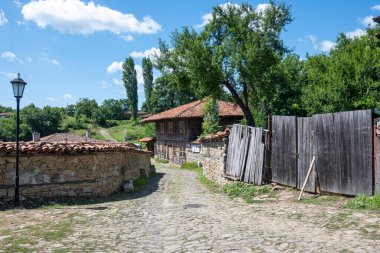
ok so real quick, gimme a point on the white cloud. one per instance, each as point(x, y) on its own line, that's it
point(313, 39)
point(3, 19)
point(147, 53)
point(117, 81)
point(9, 56)
point(52, 61)
point(68, 96)
point(28, 59)
point(357, 33)
point(367, 21)
point(327, 45)
point(139, 71)
point(8, 75)
point(75, 16)
point(51, 99)
point(114, 67)
point(261, 8)
point(17, 3)
point(376, 8)
point(127, 38)
point(205, 20)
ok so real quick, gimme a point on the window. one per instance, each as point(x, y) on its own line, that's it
point(162, 127)
point(170, 127)
point(182, 127)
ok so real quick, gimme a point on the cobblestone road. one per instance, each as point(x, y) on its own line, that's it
point(177, 214)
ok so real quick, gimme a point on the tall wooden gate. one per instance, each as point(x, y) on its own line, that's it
point(342, 144)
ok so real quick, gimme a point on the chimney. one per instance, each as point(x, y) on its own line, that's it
point(36, 137)
point(88, 134)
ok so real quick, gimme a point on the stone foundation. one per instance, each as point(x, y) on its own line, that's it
point(71, 174)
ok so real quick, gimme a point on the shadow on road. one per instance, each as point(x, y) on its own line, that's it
point(151, 186)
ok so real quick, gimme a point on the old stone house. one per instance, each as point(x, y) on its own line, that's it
point(178, 127)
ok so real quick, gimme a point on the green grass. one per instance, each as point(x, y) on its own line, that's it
point(159, 160)
point(365, 202)
point(140, 183)
point(319, 199)
point(245, 191)
point(214, 187)
point(191, 166)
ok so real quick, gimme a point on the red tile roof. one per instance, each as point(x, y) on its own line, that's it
point(67, 137)
point(214, 137)
point(68, 147)
point(194, 110)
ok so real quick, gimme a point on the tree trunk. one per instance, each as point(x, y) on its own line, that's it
point(245, 108)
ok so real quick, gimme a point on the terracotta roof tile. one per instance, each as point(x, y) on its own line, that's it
point(194, 110)
point(67, 137)
point(68, 147)
point(214, 137)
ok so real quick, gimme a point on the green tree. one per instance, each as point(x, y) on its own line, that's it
point(130, 84)
point(86, 107)
point(346, 79)
point(236, 51)
point(147, 68)
point(210, 112)
point(114, 109)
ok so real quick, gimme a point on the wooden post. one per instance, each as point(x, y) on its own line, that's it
point(307, 177)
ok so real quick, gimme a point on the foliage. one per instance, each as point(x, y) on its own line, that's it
point(189, 166)
point(70, 110)
point(245, 191)
point(140, 183)
point(45, 121)
point(128, 128)
point(86, 107)
point(346, 79)
point(365, 202)
point(210, 112)
point(5, 109)
point(159, 160)
point(130, 84)
point(147, 67)
point(224, 53)
point(114, 109)
point(8, 129)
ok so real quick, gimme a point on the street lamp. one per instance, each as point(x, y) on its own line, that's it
point(18, 89)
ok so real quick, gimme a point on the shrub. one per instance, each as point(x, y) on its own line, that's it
point(189, 166)
point(365, 202)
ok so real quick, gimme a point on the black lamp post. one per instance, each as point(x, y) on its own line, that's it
point(18, 89)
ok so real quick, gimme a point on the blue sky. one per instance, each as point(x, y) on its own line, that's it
point(69, 49)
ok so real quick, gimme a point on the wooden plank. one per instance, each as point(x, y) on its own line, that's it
point(377, 168)
point(284, 150)
point(305, 154)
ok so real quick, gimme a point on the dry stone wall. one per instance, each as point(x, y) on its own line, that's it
point(212, 156)
point(71, 174)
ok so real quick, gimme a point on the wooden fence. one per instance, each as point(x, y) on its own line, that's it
point(342, 144)
point(246, 154)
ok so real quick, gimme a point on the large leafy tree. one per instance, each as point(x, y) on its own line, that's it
point(130, 84)
point(147, 68)
point(236, 51)
point(86, 107)
point(346, 79)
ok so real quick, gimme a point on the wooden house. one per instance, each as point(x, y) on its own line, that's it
point(178, 127)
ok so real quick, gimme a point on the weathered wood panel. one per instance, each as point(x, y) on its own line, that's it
point(305, 154)
point(246, 154)
point(237, 151)
point(255, 161)
point(377, 168)
point(343, 148)
point(284, 150)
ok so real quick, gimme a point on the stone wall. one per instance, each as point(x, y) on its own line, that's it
point(212, 156)
point(71, 174)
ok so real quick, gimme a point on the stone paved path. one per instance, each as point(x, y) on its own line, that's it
point(177, 214)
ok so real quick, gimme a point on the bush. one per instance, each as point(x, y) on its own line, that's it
point(365, 202)
point(189, 166)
